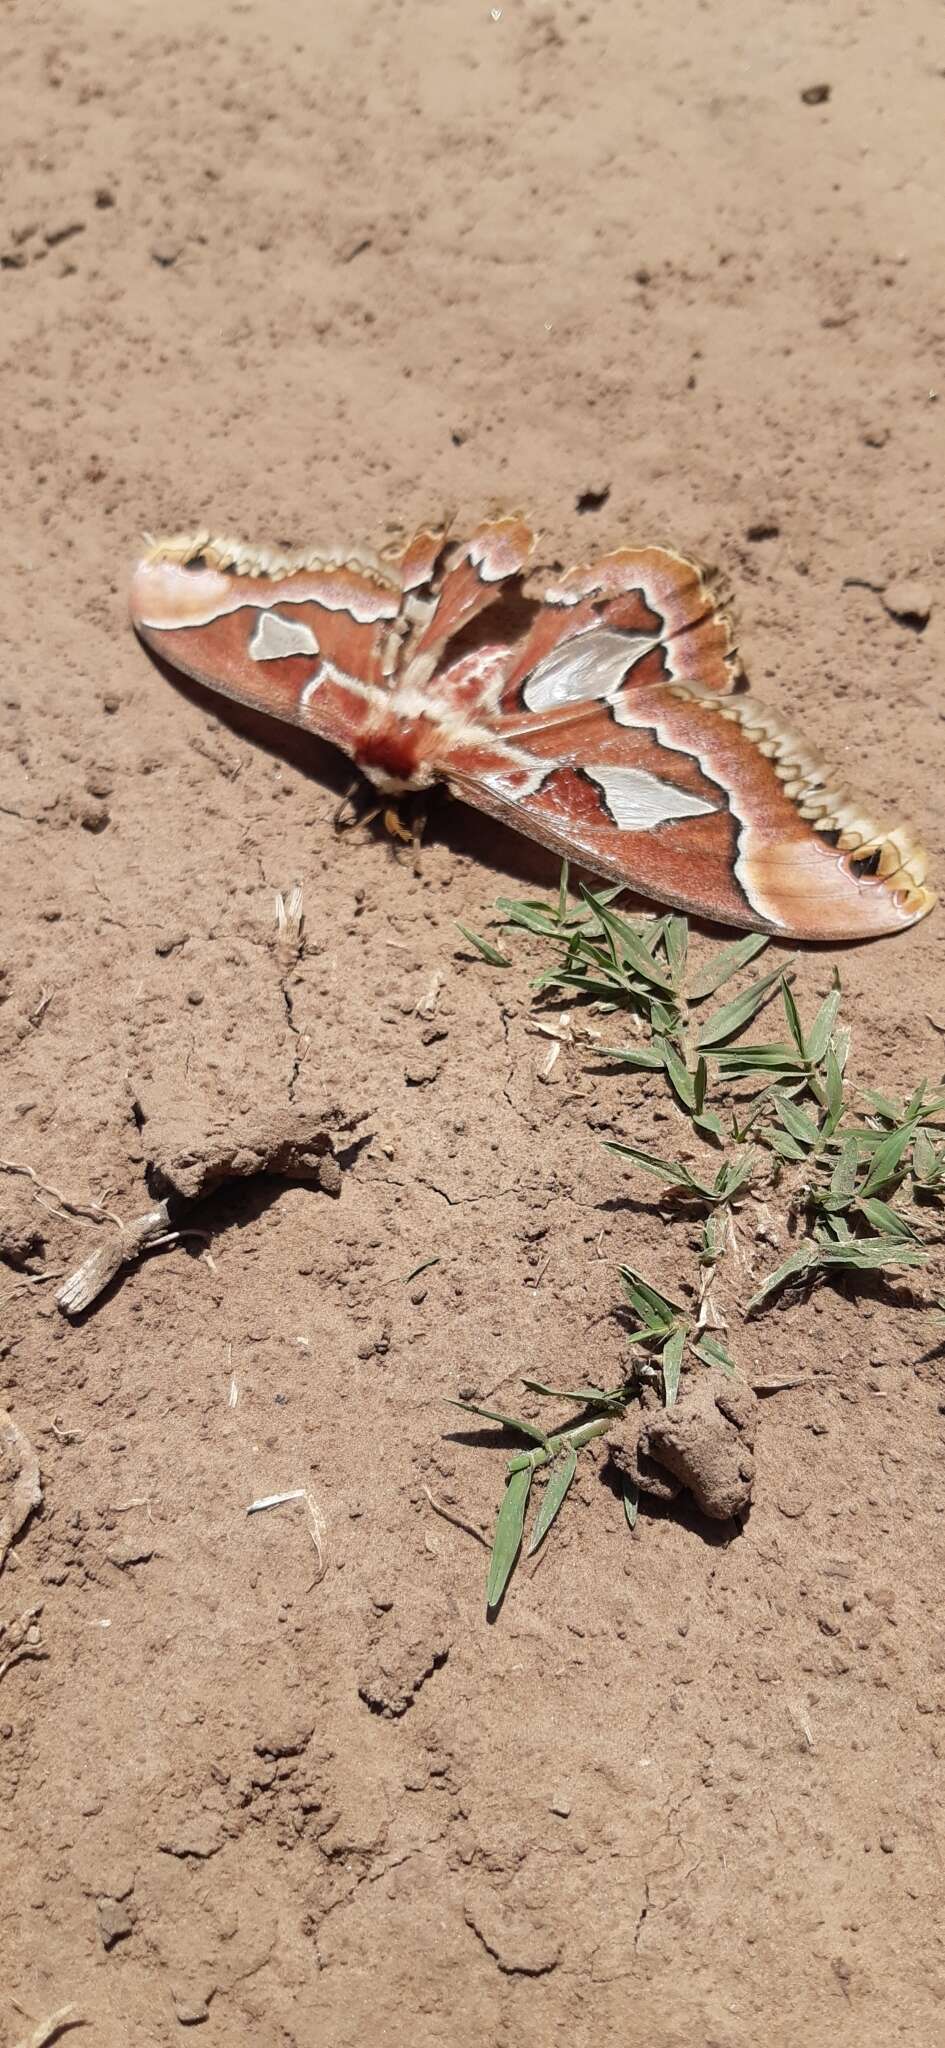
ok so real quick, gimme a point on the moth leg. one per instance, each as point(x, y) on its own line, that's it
point(349, 813)
point(418, 825)
point(404, 834)
point(394, 825)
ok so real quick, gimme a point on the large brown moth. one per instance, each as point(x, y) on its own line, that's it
point(595, 710)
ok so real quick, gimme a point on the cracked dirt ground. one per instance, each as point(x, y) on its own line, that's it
point(307, 272)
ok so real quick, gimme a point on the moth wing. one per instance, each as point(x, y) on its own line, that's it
point(707, 803)
point(261, 627)
point(650, 614)
point(474, 576)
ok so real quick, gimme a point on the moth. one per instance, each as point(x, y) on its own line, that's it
point(599, 710)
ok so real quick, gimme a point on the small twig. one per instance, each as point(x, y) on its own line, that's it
point(90, 1279)
point(535, 1279)
point(47, 2029)
point(782, 1386)
point(17, 1656)
point(65, 1436)
point(457, 1520)
point(318, 1527)
point(23, 1636)
point(92, 1209)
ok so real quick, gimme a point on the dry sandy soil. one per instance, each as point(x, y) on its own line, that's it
point(298, 272)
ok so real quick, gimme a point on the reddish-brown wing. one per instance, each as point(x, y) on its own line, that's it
point(662, 606)
point(625, 748)
point(259, 626)
point(475, 575)
point(706, 803)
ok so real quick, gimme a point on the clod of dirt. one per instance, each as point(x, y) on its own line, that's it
point(516, 1944)
point(200, 1838)
point(289, 1740)
point(704, 1443)
point(285, 1143)
point(593, 499)
point(627, 1456)
point(20, 1490)
point(407, 1648)
point(190, 2009)
point(909, 603)
point(21, 1244)
point(114, 1921)
point(130, 1550)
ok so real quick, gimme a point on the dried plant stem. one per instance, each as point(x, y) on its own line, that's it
point(90, 1279)
point(47, 2029)
point(94, 1210)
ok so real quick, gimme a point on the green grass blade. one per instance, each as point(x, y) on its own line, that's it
point(537, 1436)
point(673, 1350)
point(792, 1014)
point(926, 1164)
point(796, 1122)
point(842, 1041)
point(843, 1177)
point(785, 1147)
point(735, 1015)
point(866, 1254)
point(881, 1105)
point(563, 892)
point(869, 1253)
point(629, 948)
point(712, 1351)
point(582, 1394)
point(676, 942)
point(670, 1171)
point(724, 964)
point(424, 1267)
point(886, 1159)
point(714, 1234)
point(733, 1176)
point(660, 1304)
point(821, 1031)
point(562, 1473)
point(508, 1535)
point(799, 1262)
point(739, 1062)
point(662, 1019)
point(581, 919)
point(631, 1499)
point(885, 1221)
point(643, 1058)
point(833, 1083)
point(489, 952)
point(682, 1082)
point(530, 917)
